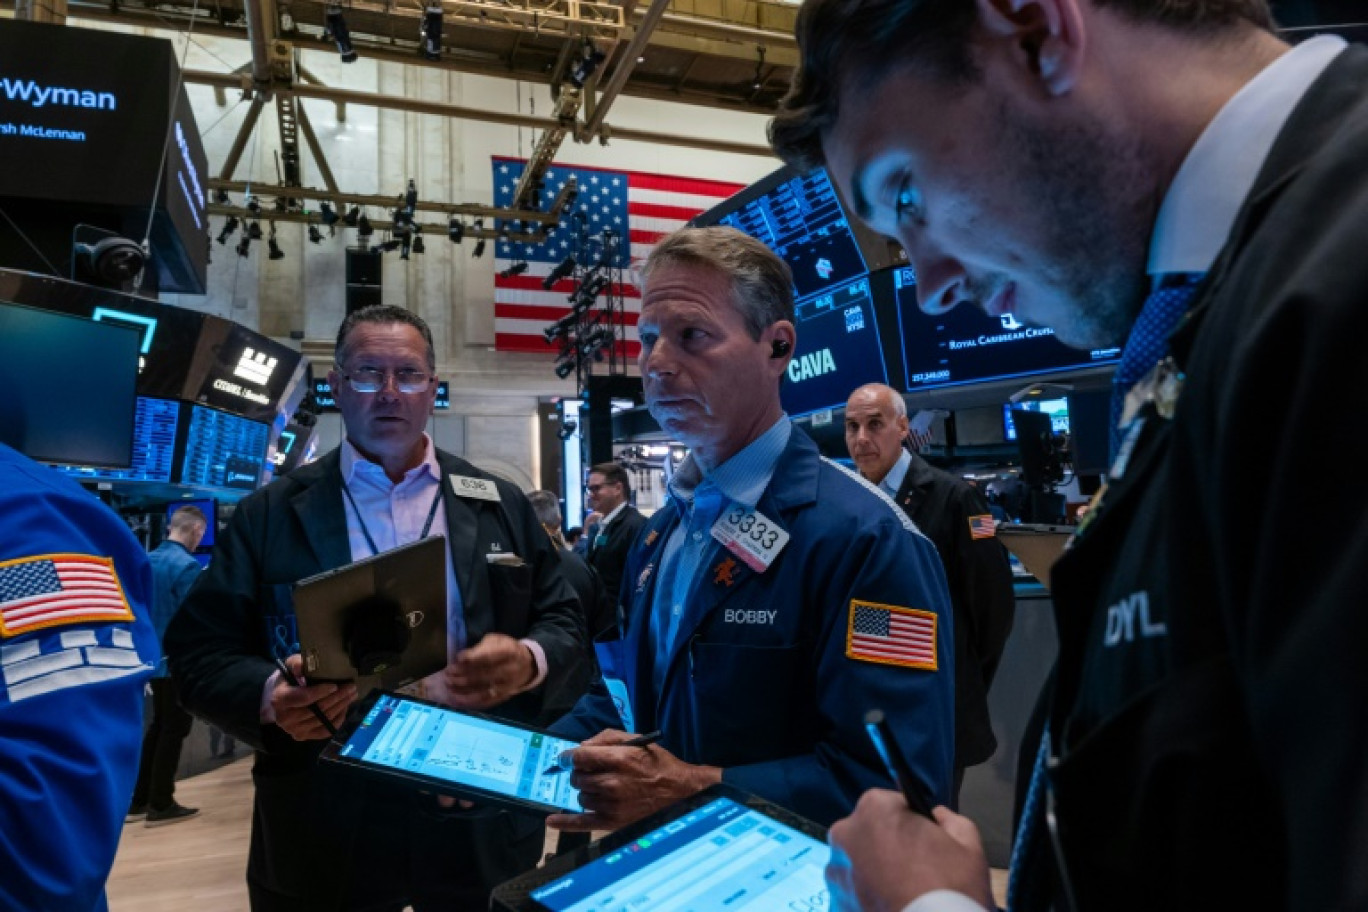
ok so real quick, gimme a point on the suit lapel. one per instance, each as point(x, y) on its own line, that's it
point(463, 526)
point(322, 515)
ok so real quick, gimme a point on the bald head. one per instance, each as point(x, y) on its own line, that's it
point(875, 425)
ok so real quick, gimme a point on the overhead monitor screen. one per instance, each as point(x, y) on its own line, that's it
point(223, 451)
point(154, 446)
point(838, 349)
point(67, 387)
point(802, 221)
point(1057, 409)
point(966, 345)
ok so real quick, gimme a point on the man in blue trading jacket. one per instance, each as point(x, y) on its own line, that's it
point(776, 597)
point(76, 647)
point(174, 571)
point(1077, 163)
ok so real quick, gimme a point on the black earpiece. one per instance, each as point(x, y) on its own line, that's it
point(779, 348)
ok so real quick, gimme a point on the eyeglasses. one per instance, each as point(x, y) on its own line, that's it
point(595, 488)
point(368, 380)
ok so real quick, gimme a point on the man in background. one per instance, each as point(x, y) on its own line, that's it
point(610, 490)
point(174, 571)
point(952, 513)
point(582, 578)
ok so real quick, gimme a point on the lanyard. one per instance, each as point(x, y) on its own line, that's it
point(432, 512)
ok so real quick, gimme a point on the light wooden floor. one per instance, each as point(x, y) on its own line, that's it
point(201, 864)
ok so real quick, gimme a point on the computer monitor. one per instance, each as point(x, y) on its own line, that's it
point(1035, 441)
point(68, 387)
point(1057, 409)
point(154, 446)
point(223, 450)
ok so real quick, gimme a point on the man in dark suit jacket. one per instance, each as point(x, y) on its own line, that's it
point(952, 513)
point(609, 490)
point(1076, 163)
point(326, 840)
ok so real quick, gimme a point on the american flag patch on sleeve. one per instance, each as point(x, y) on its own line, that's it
point(58, 590)
point(982, 526)
point(890, 635)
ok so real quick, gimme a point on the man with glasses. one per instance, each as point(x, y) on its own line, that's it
point(609, 488)
point(320, 841)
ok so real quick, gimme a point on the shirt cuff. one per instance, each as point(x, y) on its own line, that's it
point(943, 901)
point(267, 713)
point(538, 656)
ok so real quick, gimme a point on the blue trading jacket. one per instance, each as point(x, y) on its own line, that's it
point(76, 647)
point(761, 681)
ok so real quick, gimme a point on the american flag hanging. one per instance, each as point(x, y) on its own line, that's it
point(637, 206)
point(891, 635)
point(59, 589)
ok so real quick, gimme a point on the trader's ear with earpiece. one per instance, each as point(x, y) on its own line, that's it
point(779, 348)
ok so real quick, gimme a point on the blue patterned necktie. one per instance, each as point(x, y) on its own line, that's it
point(1148, 342)
point(1024, 869)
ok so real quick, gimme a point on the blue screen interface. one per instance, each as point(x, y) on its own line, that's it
point(223, 451)
point(154, 445)
point(838, 349)
point(464, 750)
point(802, 221)
point(1057, 409)
point(722, 855)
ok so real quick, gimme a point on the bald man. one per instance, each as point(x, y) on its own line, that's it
point(953, 514)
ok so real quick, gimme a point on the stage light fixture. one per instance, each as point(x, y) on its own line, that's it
point(228, 228)
point(565, 368)
point(275, 252)
point(387, 246)
point(455, 230)
point(254, 231)
point(315, 236)
point(480, 244)
point(363, 227)
point(336, 28)
point(244, 245)
point(516, 269)
point(563, 269)
point(253, 205)
point(327, 215)
point(418, 247)
point(221, 197)
point(352, 216)
point(431, 32)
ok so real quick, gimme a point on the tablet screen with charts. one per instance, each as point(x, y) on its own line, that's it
point(721, 849)
point(453, 752)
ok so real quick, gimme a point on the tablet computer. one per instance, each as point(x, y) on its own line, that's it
point(380, 622)
point(472, 755)
point(720, 849)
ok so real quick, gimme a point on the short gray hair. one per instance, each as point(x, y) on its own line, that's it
point(761, 283)
point(547, 507)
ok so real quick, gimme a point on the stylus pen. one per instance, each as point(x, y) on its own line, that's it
point(565, 760)
point(313, 707)
point(918, 799)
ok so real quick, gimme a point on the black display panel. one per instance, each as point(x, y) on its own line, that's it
point(838, 350)
point(223, 451)
point(168, 335)
point(88, 112)
point(242, 371)
point(154, 446)
point(802, 221)
point(67, 387)
point(968, 346)
point(1057, 409)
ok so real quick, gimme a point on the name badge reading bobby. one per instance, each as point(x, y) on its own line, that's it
point(750, 535)
point(477, 488)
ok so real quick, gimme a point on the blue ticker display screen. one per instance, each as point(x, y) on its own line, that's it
point(223, 451)
point(154, 445)
point(803, 222)
point(838, 349)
